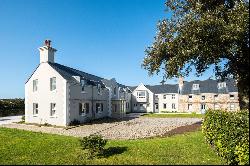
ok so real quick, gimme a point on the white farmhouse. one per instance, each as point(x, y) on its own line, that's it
point(57, 94)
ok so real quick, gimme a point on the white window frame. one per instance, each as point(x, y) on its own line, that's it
point(190, 97)
point(157, 106)
point(230, 106)
point(164, 96)
point(35, 109)
point(52, 109)
point(203, 106)
point(222, 85)
point(203, 97)
point(196, 87)
point(83, 111)
point(231, 96)
point(173, 96)
point(189, 107)
point(83, 83)
point(99, 89)
point(35, 85)
point(164, 105)
point(99, 108)
point(173, 106)
point(140, 94)
point(52, 83)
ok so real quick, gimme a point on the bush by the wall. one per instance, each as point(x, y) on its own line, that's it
point(228, 133)
point(94, 144)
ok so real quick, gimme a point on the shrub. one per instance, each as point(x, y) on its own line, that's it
point(228, 133)
point(74, 122)
point(11, 107)
point(23, 118)
point(94, 144)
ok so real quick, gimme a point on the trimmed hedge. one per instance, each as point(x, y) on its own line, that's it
point(10, 107)
point(228, 133)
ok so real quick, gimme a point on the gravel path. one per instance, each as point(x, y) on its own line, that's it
point(130, 129)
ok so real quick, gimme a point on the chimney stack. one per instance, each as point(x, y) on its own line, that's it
point(47, 52)
point(181, 82)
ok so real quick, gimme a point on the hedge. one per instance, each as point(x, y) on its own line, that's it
point(228, 133)
point(11, 107)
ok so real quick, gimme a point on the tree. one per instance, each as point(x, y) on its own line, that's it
point(202, 34)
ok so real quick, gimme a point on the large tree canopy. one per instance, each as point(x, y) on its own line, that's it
point(202, 34)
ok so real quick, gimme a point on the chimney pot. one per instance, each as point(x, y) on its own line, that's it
point(47, 43)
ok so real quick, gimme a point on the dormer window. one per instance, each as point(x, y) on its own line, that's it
point(99, 88)
point(83, 83)
point(196, 87)
point(141, 94)
point(221, 85)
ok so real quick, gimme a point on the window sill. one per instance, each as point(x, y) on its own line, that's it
point(83, 92)
point(35, 115)
point(53, 117)
point(83, 115)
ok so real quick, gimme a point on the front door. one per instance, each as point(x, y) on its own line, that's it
point(156, 107)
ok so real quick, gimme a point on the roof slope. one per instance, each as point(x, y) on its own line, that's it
point(68, 73)
point(166, 88)
point(209, 86)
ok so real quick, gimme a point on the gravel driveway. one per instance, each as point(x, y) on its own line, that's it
point(133, 128)
point(10, 119)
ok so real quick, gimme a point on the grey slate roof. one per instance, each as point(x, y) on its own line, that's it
point(67, 73)
point(132, 88)
point(166, 88)
point(206, 86)
point(209, 86)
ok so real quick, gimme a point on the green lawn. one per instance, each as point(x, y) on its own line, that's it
point(24, 147)
point(174, 115)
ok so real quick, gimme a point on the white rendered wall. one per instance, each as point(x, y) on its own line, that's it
point(43, 96)
point(149, 105)
point(169, 101)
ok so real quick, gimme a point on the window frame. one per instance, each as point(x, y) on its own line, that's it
point(35, 85)
point(230, 106)
point(52, 110)
point(164, 105)
point(139, 94)
point(52, 83)
point(196, 87)
point(35, 109)
point(83, 84)
point(222, 85)
point(99, 89)
point(173, 106)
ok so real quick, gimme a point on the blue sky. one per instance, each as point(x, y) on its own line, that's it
point(102, 37)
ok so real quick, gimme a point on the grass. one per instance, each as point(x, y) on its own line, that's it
point(174, 115)
point(25, 147)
